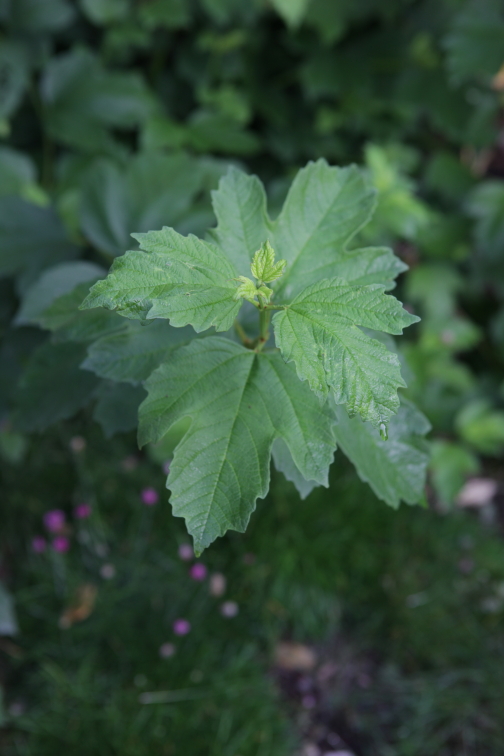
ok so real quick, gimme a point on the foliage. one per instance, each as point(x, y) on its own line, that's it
point(122, 117)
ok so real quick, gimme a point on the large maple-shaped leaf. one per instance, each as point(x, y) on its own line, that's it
point(182, 278)
point(239, 402)
point(396, 468)
point(325, 208)
point(318, 330)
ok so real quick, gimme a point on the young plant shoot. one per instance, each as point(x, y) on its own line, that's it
point(316, 371)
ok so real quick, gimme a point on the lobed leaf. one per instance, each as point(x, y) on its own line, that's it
point(181, 278)
point(396, 468)
point(239, 402)
point(319, 332)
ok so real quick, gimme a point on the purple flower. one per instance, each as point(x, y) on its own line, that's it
point(39, 544)
point(149, 496)
point(166, 650)
point(185, 552)
point(54, 520)
point(61, 544)
point(198, 571)
point(82, 511)
point(181, 627)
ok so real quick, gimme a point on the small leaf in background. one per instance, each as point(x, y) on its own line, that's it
point(8, 621)
point(475, 44)
point(450, 465)
point(292, 11)
point(104, 12)
point(81, 608)
point(132, 353)
point(52, 284)
point(481, 426)
point(116, 410)
point(14, 75)
point(25, 227)
point(84, 101)
point(153, 191)
point(32, 17)
point(53, 387)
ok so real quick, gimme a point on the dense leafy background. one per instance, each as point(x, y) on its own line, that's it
point(120, 116)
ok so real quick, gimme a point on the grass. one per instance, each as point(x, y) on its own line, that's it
point(415, 596)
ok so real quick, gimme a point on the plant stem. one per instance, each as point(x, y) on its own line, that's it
point(264, 320)
point(241, 333)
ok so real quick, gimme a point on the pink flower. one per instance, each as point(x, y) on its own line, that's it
point(198, 571)
point(61, 544)
point(54, 520)
point(185, 552)
point(149, 496)
point(82, 511)
point(181, 627)
point(166, 650)
point(39, 544)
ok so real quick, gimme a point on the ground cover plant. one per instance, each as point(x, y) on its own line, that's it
point(124, 117)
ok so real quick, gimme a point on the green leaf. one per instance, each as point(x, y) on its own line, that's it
point(17, 173)
point(25, 228)
point(168, 14)
point(14, 73)
point(451, 464)
point(239, 401)
point(52, 387)
point(207, 131)
point(395, 469)
point(243, 224)
point(284, 463)
point(154, 190)
point(481, 426)
point(116, 410)
point(52, 284)
point(68, 323)
point(292, 11)
point(83, 101)
point(247, 289)
point(475, 43)
point(104, 12)
point(264, 267)
point(318, 330)
point(134, 352)
point(32, 16)
point(182, 278)
point(324, 209)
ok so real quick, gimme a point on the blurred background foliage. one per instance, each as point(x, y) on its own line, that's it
point(120, 116)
